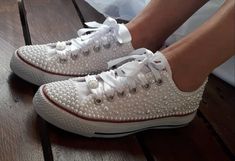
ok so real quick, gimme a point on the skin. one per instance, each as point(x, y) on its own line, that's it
point(194, 57)
point(159, 20)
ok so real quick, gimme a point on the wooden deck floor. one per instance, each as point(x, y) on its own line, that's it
point(24, 136)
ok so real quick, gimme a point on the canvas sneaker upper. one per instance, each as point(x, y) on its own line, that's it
point(86, 54)
point(141, 89)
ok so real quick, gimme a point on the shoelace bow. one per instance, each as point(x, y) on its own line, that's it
point(90, 35)
point(126, 76)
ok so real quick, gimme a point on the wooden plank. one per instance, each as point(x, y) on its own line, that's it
point(18, 136)
point(194, 142)
point(50, 25)
point(51, 20)
point(219, 109)
point(88, 12)
point(88, 149)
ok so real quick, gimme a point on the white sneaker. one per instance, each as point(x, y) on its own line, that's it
point(87, 54)
point(138, 95)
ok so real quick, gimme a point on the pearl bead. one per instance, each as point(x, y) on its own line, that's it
point(93, 84)
point(60, 45)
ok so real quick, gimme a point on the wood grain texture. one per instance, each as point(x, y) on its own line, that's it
point(18, 136)
point(219, 109)
point(88, 12)
point(192, 143)
point(91, 149)
point(53, 20)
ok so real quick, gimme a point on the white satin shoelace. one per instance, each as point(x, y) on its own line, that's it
point(126, 76)
point(95, 35)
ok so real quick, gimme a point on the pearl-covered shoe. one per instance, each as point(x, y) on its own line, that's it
point(86, 54)
point(136, 96)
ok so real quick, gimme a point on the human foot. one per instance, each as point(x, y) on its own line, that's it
point(137, 96)
point(86, 54)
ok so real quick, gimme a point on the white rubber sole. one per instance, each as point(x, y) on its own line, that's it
point(69, 122)
point(32, 74)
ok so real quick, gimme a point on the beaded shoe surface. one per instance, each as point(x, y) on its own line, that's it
point(86, 54)
point(138, 95)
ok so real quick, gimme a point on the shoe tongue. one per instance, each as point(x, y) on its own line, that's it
point(124, 35)
point(110, 21)
point(158, 56)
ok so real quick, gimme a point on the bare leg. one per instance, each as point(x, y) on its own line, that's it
point(159, 20)
point(196, 55)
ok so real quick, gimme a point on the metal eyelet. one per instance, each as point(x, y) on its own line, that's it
point(74, 56)
point(133, 90)
point(96, 49)
point(146, 86)
point(86, 52)
point(110, 98)
point(159, 82)
point(121, 94)
point(107, 46)
point(62, 60)
point(98, 101)
point(113, 67)
point(68, 43)
point(119, 44)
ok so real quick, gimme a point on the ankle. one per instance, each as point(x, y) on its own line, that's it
point(185, 76)
point(142, 39)
point(186, 82)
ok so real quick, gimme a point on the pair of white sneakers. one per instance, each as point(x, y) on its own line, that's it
point(97, 85)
